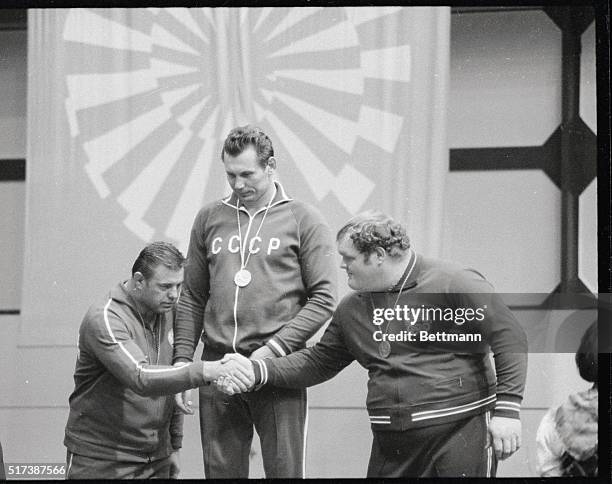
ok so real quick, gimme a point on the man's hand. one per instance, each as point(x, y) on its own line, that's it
point(183, 402)
point(175, 465)
point(226, 385)
point(262, 353)
point(233, 366)
point(239, 370)
point(505, 435)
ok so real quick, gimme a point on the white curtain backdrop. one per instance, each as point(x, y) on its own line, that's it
point(127, 110)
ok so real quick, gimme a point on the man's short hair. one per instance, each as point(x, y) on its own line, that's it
point(587, 354)
point(372, 229)
point(157, 253)
point(240, 138)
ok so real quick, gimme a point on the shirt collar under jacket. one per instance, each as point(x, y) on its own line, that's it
point(280, 197)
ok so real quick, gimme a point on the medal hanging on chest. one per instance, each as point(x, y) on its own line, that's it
point(384, 349)
point(243, 277)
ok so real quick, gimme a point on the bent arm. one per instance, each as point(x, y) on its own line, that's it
point(504, 335)
point(109, 341)
point(509, 345)
point(309, 366)
point(190, 310)
point(319, 276)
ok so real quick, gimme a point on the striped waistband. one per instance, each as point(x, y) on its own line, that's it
point(439, 413)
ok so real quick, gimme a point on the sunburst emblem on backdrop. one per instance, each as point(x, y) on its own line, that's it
point(168, 84)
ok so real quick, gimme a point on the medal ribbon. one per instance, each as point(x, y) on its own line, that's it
point(242, 246)
point(243, 262)
point(398, 296)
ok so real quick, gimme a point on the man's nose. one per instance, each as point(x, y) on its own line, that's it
point(173, 293)
point(239, 183)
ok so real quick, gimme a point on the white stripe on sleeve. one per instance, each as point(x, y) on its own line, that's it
point(278, 347)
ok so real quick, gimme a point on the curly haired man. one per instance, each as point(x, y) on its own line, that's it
point(436, 406)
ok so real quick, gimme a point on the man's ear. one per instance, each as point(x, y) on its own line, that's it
point(381, 254)
point(271, 164)
point(139, 279)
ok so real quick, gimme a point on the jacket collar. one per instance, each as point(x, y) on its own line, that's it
point(120, 294)
point(279, 197)
point(413, 268)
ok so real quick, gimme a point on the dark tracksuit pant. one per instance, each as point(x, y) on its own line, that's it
point(456, 449)
point(83, 467)
point(226, 427)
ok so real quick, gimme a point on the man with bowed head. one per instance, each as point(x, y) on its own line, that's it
point(436, 406)
point(259, 282)
point(122, 422)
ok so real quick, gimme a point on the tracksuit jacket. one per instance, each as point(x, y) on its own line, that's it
point(122, 407)
point(420, 383)
point(292, 292)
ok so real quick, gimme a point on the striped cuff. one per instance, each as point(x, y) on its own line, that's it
point(507, 406)
point(278, 348)
point(261, 372)
point(380, 419)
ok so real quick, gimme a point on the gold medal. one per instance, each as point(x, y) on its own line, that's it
point(242, 278)
point(384, 349)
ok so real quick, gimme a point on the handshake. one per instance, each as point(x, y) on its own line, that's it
point(234, 374)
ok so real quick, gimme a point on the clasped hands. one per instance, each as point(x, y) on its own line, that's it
point(232, 374)
point(238, 375)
